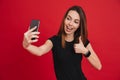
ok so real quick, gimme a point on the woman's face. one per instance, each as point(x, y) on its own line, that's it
point(72, 22)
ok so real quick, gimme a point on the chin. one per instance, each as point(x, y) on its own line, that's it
point(68, 33)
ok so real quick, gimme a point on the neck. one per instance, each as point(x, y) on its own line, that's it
point(69, 38)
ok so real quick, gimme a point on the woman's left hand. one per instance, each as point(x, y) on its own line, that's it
point(79, 47)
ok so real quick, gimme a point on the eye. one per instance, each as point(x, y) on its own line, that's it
point(77, 22)
point(68, 18)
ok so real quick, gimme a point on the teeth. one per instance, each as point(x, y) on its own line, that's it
point(69, 28)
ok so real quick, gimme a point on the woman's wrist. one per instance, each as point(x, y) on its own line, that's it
point(25, 45)
point(87, 54)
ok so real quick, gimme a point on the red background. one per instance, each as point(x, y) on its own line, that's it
point(103, 17)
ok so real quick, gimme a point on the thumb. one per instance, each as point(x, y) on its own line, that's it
point(80, 39)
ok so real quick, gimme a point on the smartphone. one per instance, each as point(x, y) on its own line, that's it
point(33, 24)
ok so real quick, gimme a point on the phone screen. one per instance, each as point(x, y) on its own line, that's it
point(35, 23)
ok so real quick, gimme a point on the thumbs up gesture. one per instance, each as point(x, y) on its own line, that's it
point(79, 47)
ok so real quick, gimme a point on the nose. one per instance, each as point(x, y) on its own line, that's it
point(71, 23)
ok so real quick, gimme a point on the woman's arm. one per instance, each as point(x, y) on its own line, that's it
point(41, 50)
point(93, 58)
point(27, 43)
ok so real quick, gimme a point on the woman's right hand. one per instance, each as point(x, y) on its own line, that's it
point(27, 40)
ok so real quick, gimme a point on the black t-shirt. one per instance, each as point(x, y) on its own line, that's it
point(67, 63)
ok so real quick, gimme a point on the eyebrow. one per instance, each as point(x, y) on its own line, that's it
point(71, 17)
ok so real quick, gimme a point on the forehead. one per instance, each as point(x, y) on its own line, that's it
point(73, 14)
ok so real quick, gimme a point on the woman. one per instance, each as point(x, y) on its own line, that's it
point(68, 46)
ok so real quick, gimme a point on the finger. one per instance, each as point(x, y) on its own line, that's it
point(29, 41)
point(34, 36)
point(26, 35)
point(80, 39)
point(34, 40)
point(32, 29)
point(75, 46)
point(35, 33)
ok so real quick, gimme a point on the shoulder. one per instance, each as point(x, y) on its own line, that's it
point(54, 39)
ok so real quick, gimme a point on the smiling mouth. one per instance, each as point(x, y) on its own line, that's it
point(68, 29)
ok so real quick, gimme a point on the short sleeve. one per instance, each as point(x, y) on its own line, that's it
point(87, 42)
point(53, 39)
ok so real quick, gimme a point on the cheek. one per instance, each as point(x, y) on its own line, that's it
point(76, 26)
point(66, 21)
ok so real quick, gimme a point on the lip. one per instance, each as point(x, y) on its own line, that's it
point(68, 29)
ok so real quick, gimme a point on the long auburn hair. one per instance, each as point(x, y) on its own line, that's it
point(82, 29)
